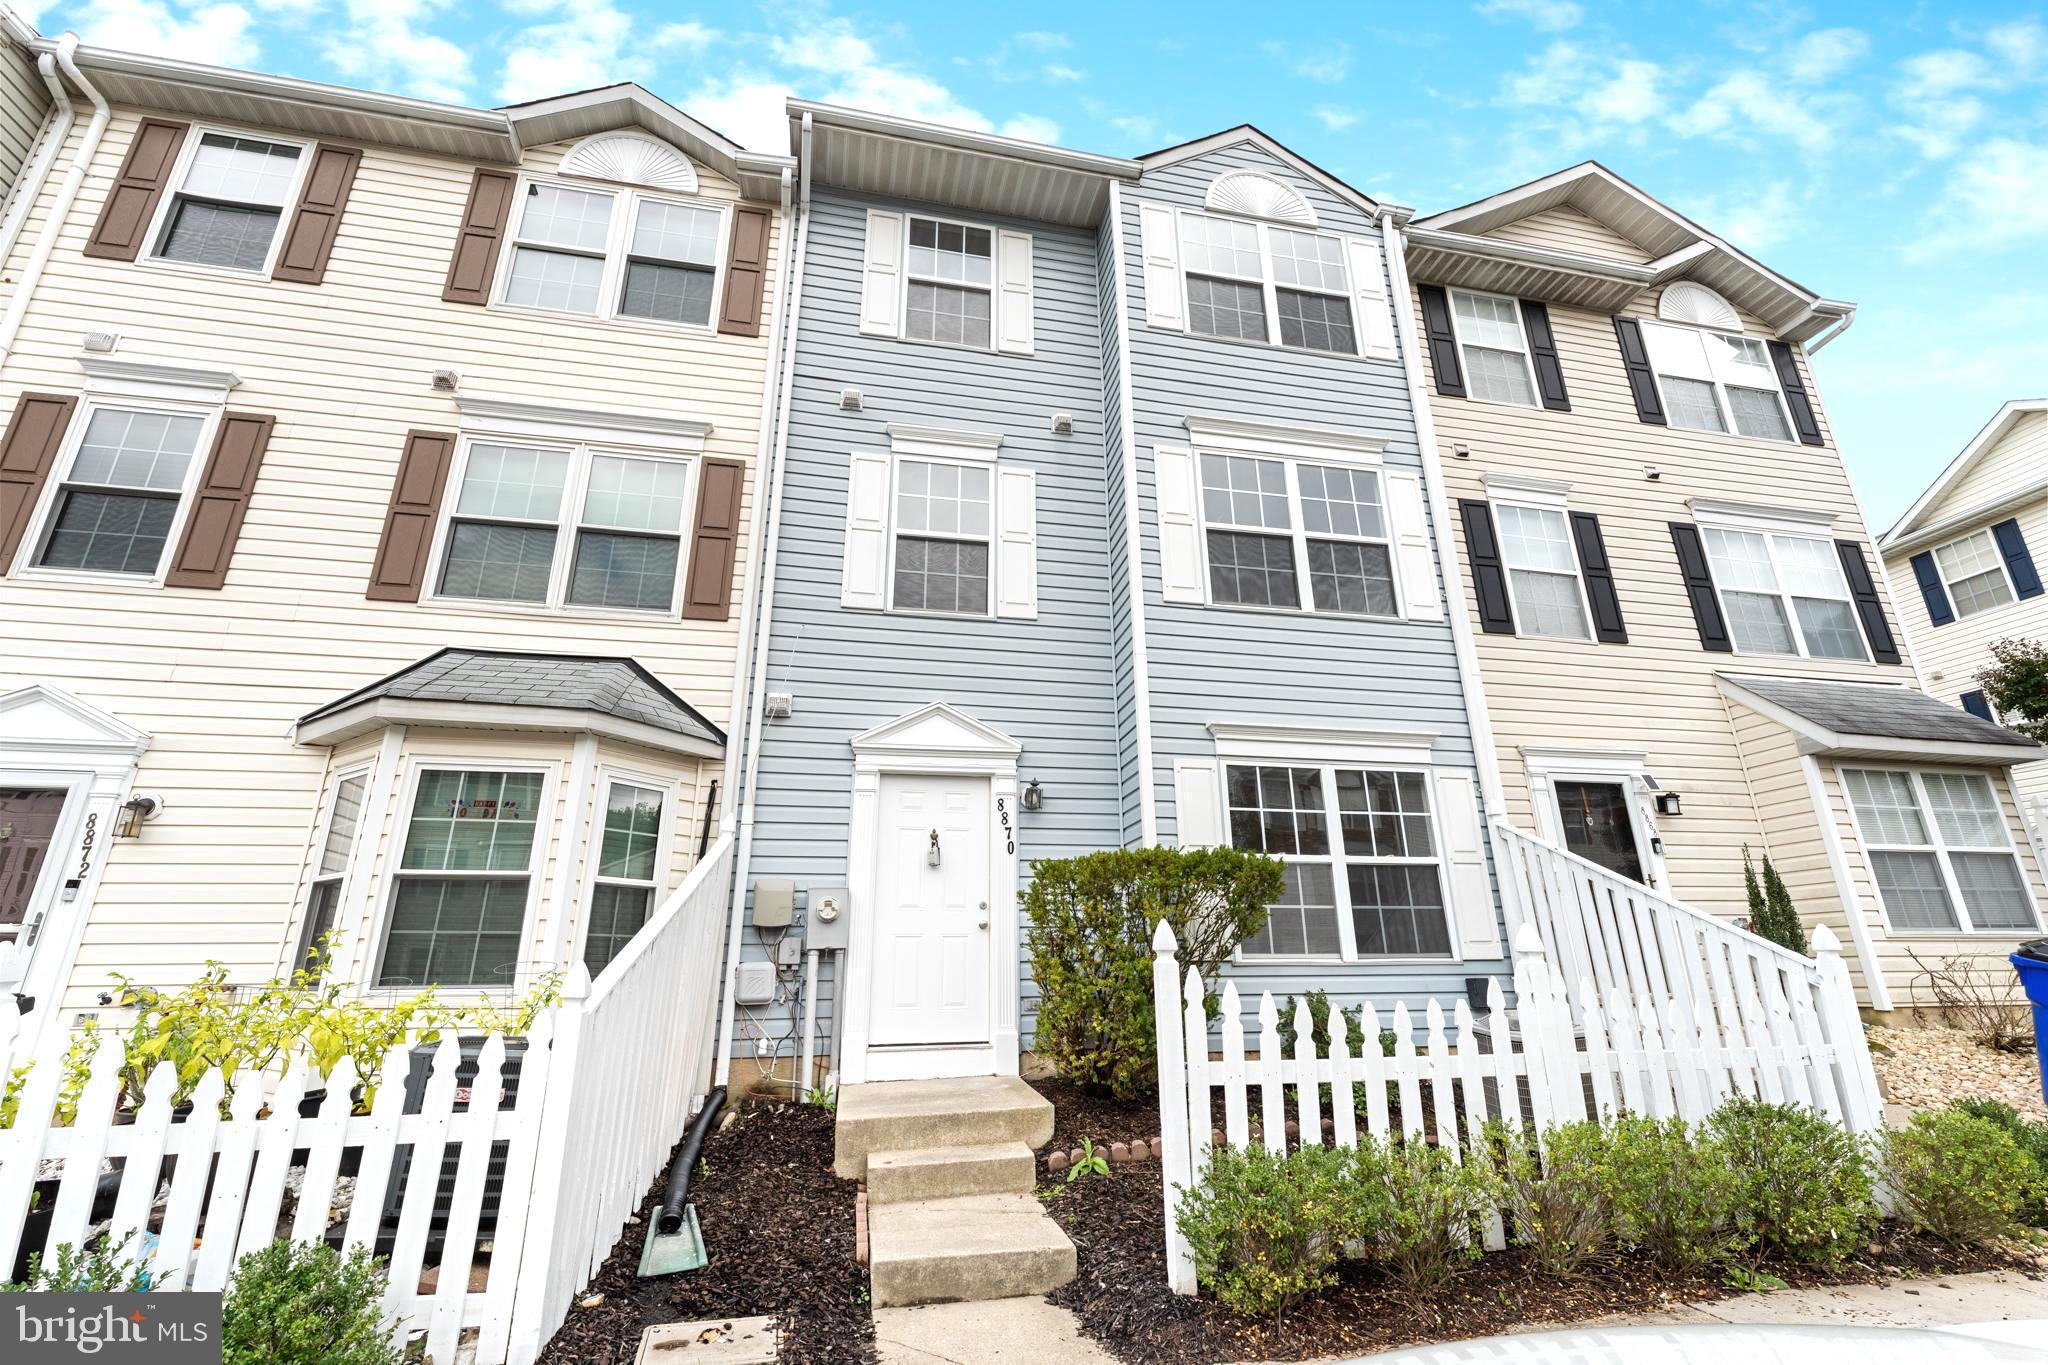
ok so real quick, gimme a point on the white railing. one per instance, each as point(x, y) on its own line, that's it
point(602, 1090)
point(1622, 936)
point(1550, 1060)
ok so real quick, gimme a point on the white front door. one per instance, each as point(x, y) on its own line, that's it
point(931, 931)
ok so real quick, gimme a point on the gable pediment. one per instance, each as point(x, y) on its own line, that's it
point(50, 718)
point(935, 729)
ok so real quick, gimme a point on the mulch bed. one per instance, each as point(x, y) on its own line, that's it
point(1117, 1224)
point(778, 1228)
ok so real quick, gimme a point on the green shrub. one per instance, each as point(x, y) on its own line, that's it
point(1263, 1229)
point(1091, 923)
point(1671, 1192)
point(2033, 1140)
point(1771, 912)
point(100, 1270)
point(300, 1303)
point(1557, 1199)
point(1960, 1177)
point(1319, 1013)
point(1420, 1205)
point(1804, 1184)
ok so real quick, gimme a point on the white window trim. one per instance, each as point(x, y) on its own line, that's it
point(960, 456)
point(1269, 287)
point(548, 822)
point(1783, 593)
point(42, 522)
point(174, 186)
point(1501, 494)
point(1940, 849)
point(1721, 383)
point(1948, 585)
point(1521, 330)
point(353, 869)
point(1338, 860)
point(626, 200)
point(993, 288)
point(575, 493)
point(663, 882)
point(1362, 454)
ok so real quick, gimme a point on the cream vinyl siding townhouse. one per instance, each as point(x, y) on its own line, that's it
point(1634, 584)
point(24, 102)
point(1967, 557)
point(401, 442)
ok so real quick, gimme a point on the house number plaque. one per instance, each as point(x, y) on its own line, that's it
point(1009, 834)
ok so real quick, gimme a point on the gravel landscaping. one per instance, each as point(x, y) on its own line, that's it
point(1926, 1068)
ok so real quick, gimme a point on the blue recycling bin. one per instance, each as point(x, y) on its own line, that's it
point(2031, 962)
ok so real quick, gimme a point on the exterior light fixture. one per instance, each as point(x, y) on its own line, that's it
point(135, 810)
point(1033, 798)
point(1669, 804)
point(931, 855)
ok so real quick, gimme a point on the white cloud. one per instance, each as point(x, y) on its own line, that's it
point(1996, 197)
point(1059, 74)
point(1755, 224)
point(215, 33)
point(384, 44)
point(584, 43)
point(1547, 16)
point(1334, 118)
point(1602, 90)
point(1040, 41)
point(1031, 128)
point(1329, 67)
point(746, 107)
point(2022, 45)
point(1749, 101)
point(1825, 53)
point(1632, 95)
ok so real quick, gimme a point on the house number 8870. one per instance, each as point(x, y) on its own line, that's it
point(1009, 835)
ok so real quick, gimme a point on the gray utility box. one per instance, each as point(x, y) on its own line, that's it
point(826, 927)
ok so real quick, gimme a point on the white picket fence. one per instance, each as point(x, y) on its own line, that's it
point(605, 1084)
point(1552, 1059)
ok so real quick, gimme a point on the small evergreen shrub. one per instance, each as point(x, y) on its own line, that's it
point(1090, 932)
point(1420, 1205)
point(1960, 1177)
point(1556, 1198)
point(1804, 1186)
point(1771, 912)
point(2032, 1138)
point(1671, 1191)
point(1266, 1229)
point(301, 1303)
point(98, 1270)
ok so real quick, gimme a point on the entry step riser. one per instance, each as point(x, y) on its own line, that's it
point(909, 1116)
point(971, 1279)
point(965, 1249)
point(950, 1172)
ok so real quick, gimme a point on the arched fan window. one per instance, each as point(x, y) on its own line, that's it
point(1254, 195)
point(631, 159)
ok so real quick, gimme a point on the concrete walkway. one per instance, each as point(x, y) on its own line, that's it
point(993, 1332)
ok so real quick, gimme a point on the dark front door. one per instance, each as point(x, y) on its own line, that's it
point(1595, 819)
point(28, 822)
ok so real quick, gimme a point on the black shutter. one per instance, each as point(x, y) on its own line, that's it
point(1443, 342)
point(1543, 350)
point(1978, 705)
point(1699, 586)
point(1931, 591)
point(1642, 381)
point(1869, 607)
point(1608, 627)
point(2026, 581)
point(1795, 393)
point(1489, 579)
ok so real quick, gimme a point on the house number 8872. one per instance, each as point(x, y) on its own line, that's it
point(1009, 834)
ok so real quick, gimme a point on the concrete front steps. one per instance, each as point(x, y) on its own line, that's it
point(950, 1172)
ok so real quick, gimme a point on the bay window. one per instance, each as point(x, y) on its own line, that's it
point(613, 254)
point(465, 876)
point(344, 823)
point(622, 896)
point(1784, 594)
point(1941, 851)
point(1271, 523)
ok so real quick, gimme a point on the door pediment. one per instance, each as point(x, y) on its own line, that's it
point(936, 733)
point(50, 720)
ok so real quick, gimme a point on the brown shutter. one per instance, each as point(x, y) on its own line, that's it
point(222, 499)
point(707, 596)
point(27, 453)
point(401, 567)
point(746, 273)
point(309, 241)
point(475, 262)
point(146, 170)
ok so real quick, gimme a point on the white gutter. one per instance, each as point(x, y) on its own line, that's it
point(1134, 547)
point(67, 192)
point(765, 608)
point(50, 142)
point(1825, 337)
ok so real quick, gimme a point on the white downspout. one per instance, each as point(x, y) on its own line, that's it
point(56, 131)
point(778, 462)
point(60, 210)
point(1134, 548)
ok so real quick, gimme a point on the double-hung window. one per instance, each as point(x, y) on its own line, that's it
point(1269, 523)
point(344, 823)
point(623, 894)
point(951, 284)
point(1258, 281)
point(229, 201)
point(117, 503)
point(944, 512)
point(1364, 872)
point(1974, 572)
point(465, 877)
point(1544, 587)
point(613, 254)
point(1717, 381)
point(1494, 349)
point(1941, 851)
point(565, 525)
point(1784, 594)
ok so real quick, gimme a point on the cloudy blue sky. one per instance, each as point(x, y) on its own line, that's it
point(1893, 154)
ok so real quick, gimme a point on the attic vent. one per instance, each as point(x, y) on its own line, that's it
point(1259, 196)
point(1699, 305)
point(631, 159)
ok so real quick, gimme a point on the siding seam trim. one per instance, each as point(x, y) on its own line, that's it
point(1134, 570)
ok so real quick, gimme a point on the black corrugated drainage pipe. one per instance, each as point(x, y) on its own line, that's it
point(671, 1216)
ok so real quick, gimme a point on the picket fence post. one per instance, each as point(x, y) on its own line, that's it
point(1862, 1106)
point(537, 1263)
point(1176, 1164)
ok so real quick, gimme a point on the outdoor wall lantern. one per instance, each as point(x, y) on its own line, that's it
point(1033, 798)
point(1668, 804)
point(135, 810)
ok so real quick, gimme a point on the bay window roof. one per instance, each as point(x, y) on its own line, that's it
point(1876, 720)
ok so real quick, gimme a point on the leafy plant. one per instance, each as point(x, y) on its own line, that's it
point(1092, 1162)
point(98, 1270)
point(1960, 1177)
point(1750, 1280)
point(1266, 1229)
point(1671, 1192)
point(1803, 1184)
point(1091, 922)
point(1771, 912)
point(824, 1097)
point(2032, 1138)
point(1557, 1197)
point(303, 1303)
point(2016, 685)
point(1420, 1206)
point(1320, 1012)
